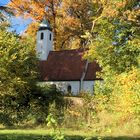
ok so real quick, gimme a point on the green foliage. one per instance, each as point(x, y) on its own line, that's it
point(18, 73)
point(42, 101)
point(116, 47)
point(56, 133)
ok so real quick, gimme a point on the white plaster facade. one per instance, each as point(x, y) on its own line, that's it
point(88, 86)
point(75, 86)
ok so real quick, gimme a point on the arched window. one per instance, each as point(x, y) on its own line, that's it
point(41, 36)
point(69, 88)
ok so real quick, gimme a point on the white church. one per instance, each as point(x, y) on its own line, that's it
point(66, 69)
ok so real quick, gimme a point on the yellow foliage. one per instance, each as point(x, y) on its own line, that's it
point(126, 94)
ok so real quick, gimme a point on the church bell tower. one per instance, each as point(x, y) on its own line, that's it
point(44, 40)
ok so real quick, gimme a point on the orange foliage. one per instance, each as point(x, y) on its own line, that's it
point(70, 19)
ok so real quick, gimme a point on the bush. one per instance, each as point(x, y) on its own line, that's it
point(41, 101)
point(18, 73)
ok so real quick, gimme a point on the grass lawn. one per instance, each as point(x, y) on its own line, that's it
point(42, 134)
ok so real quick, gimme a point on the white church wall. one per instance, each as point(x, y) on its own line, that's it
point(63, 85)
point(88, 86)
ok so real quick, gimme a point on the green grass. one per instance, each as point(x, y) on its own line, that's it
point(42, 134)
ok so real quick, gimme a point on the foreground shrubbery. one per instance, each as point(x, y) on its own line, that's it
point(20, 98)
point(113, 109)
point(18, 73)
point(114, 113)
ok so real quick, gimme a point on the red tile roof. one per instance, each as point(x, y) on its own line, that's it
point(67, 65)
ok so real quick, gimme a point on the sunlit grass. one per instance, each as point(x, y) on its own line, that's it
point(44, 134)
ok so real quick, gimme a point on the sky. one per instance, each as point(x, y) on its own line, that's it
point(4, 2)
point(18, 24)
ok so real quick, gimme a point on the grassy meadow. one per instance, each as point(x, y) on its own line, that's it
point(45, 134)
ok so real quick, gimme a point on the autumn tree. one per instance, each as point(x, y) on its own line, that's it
point(76, 19)
point(114, 41)
point(36, 10)
point(69, 19)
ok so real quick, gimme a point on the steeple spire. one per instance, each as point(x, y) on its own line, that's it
point(45, 25)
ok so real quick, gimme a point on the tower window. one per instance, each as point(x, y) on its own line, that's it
point(50, 37)
point(42, 36)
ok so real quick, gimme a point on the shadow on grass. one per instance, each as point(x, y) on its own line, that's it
point(48, 137)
